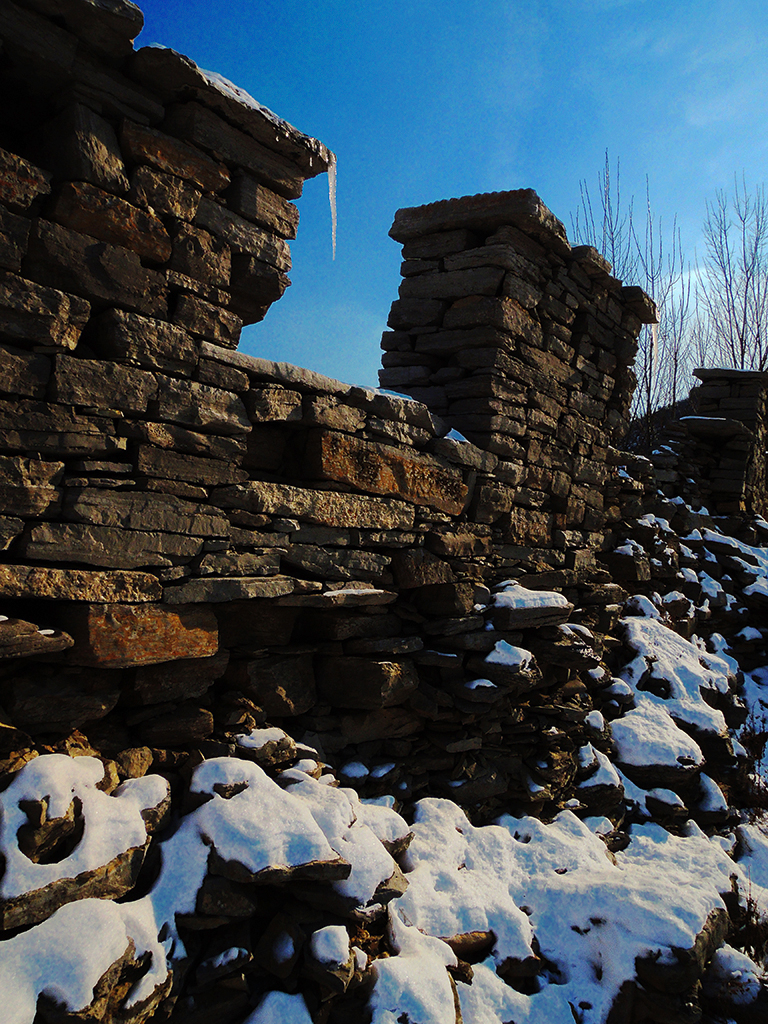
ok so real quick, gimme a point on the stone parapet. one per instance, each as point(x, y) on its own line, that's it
point(525, 345)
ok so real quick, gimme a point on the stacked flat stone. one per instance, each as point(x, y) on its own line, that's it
point(526, 346)
point(718, 455)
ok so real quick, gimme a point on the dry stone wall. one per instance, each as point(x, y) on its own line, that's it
point(717, 457)
point(526, 346)
point(196, 541)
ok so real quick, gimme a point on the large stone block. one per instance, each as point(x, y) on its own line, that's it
point(200, 255)
point(124, 635)
point(283, 685)
point(147, 146)
point(200, 407)
point(381, 469)
point(141, 510)
point(14, 235)
point(107, 546)
point(195, 123)
point(119, 334)
point(164, 193)
point(256, 203)
point(209, 321)
point(101, 272)
point(366, 684)
point(35, 582)
point(99, 384)
point(328, 508)
point(242, 236)
point(22, 373)
point(170, 465)
point(92, 211)
point(174, 680)
point(30, 487)
point(21, 183)
point(31, 314)
point(82, 146)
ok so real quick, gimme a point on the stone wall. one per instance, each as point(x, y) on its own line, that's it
point(717, 457)
point(526, 346)
point(196, 541)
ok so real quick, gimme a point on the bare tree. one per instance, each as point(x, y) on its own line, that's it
point(733, 287)
point(642, 256)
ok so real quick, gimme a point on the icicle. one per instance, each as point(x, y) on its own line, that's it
point(332, 199)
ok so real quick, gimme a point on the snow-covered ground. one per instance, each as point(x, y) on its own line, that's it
point(554, 918)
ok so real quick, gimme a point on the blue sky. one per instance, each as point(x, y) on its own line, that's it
point(427, 99)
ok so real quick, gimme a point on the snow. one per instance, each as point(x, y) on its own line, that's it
point(512, 595)
point(280, 1008)
point(648, 736)
point(257, 739)
point(512, 657)
point(454, 435)
point(595, 721)
point(45, 959)
point(330, 945)
point(113, 824)
point(354, 770)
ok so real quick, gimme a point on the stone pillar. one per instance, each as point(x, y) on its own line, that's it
point(524, 344)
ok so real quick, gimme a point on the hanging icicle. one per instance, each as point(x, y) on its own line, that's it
point(332, 199)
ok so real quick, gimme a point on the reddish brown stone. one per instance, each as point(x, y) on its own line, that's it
point(380, 469)
point(122, 635)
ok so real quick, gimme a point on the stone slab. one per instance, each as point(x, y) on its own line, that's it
point(36, 582)
point(125, 635)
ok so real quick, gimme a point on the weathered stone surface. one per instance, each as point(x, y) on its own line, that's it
point(200, 407)
point(351, 682)
point(244, 563)
point(267, 404)
point(101, 384)
point(178, 439)
point(10, 528)
point(336, 564)
point(55, 430)
point(219, 375)
point(256, 203)
point(147, 146)
point(328, 508)
point(193, 122)
point(242, 236)
point(35, 582)
point(124, 635)
point(119, 334)
point(254, 624)
point(262, 283)
point(22, 373)
point(210, 322)
point(35, 315)
point(143, 511)
point(30, 487)
point(184, 726)
point(110, 547)
point(21, 182)
point(419, 568)
point(208, 472)
point(381, 469)
point(281, 685)
point(102, 273)
point(452, 285)
point(82, 146)
point(215, 589)
point(20, 639)
point(164, 193)
point(521, 208)
point(91, 211)
point(200, 255)
point(387, 723)
point(14, 235)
